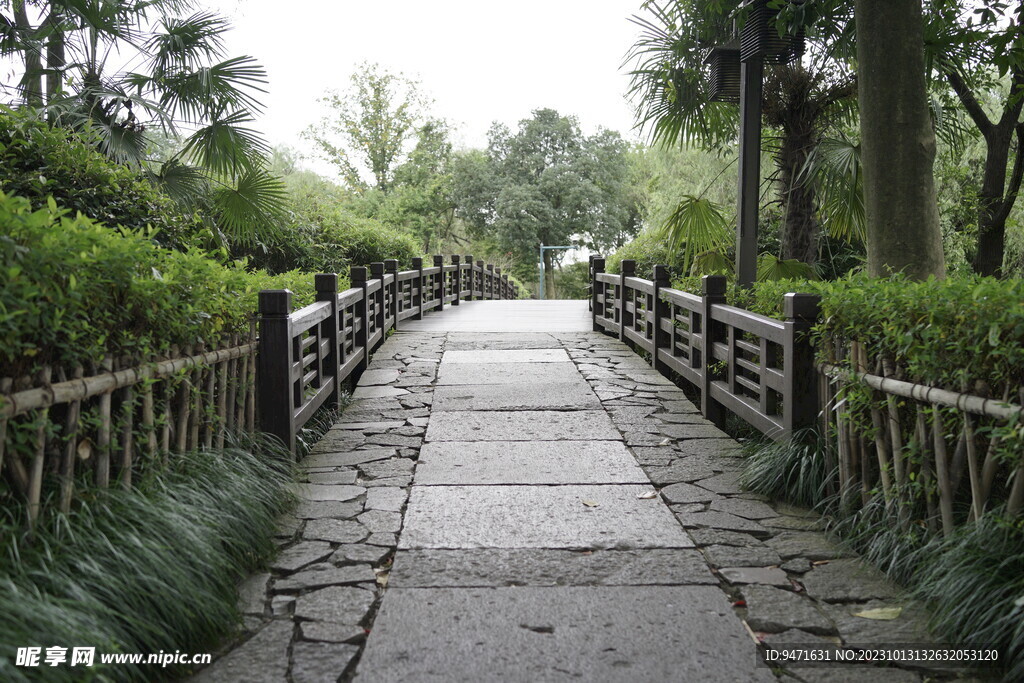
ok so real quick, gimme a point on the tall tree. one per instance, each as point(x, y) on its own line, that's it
point(898, 141)
point(370, 128)
point(547, 183)
point(978, 49)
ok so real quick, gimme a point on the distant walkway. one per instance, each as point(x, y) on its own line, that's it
point(514, 497)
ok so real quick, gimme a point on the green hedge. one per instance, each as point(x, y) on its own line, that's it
point(72, 290)
point(37, 161)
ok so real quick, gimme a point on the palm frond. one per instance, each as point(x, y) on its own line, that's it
point(712, 263)
point(834, 169)
point(183, 183)
point(770, 267)
point(225, 146)
point(696, 225)
point(187, 43)
point(252, 209)
point(196, 94)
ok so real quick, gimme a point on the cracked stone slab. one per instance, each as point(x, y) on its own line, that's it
point(541, 425)
point(378, 392)
point(299, 555)
point(320, 662)
point(264, 657)
point(252, 594)
point(551, 355)
point(539, 517)
point(558, 633)
point(522, 462)
point(331, 633)
point(773, 610)
point(328, 508)
point(336, 492)
point(320, 575)
point(345, 459)
point(739, 556)
point(359, 553)
point(377, 377)
point(390, 498)
point(546, 396)
point(909, 627)
point(335, 530)
point(811, 545)
point(381, 521)
point(336, 604)
point(546, 567)
point(748, 509)
point(686, 493)
point(848, 581)
point(720, 520)
point(769, 576)
point(507, 373)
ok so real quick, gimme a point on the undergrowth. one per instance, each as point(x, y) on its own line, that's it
point(144, 570)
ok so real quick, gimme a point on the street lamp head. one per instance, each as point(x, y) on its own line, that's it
point(760, 39)
point(724, 61)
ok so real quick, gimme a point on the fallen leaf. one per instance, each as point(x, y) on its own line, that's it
point(382, 579)
point(880, 613)
point(665, 442)
point(647, 495)
point(740, 603)
point(818, 563)
point(589, 503)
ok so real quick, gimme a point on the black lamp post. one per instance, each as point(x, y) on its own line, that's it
point(759, 43)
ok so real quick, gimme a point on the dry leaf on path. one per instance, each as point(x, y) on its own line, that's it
point(647, 495)
point(880, 613)
point(589, 503)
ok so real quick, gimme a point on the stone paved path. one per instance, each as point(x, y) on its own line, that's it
point(499, 503)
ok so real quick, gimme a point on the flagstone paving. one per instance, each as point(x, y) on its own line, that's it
point(500, 503)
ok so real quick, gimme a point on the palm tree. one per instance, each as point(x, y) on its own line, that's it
point(670, 84)
point(176, 82)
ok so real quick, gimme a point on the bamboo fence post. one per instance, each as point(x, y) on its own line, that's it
point(977, 503)
point(67, 472)
point(926, 470)
point(181, 434)
point(242, 387)
point(5, 388)
point(103, 437)
point(250, 387)
point(148, 411)
point(127, 437)
point(942, 472)
point(196, 402)
point(35, 482)
point(169, 393)
point(211, 402)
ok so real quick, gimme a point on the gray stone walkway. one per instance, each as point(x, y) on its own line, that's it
point(499, 503)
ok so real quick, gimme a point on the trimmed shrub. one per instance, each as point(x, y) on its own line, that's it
point(72, 291)
point(37, 161)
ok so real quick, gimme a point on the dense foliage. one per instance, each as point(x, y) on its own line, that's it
point(37, 161)
point(72, 290)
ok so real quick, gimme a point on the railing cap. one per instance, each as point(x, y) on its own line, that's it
point(275, 302)
point(713, 285)
point(326, 282)
point(802, 307)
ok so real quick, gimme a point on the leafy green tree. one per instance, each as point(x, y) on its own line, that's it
point(547, 183)
point(177, 77)
point(371, 127)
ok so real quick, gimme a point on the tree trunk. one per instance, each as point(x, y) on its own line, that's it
point(800, 225)
point(33, 80)
point(56, 60)
point(898, 143)
point(549, 275)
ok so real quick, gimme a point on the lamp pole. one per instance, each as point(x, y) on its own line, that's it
point(540, 288)
point(751, 90)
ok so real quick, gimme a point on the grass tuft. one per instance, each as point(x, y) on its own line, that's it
point(150, 569)
point(792, 471)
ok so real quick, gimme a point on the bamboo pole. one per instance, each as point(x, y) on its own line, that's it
point(942, 473)
point(195, 402)
point(241, 386)
point(67, 470)
point(224, 372)
point(127, 436)
point(212, 416)
point(183, 410)
point(5, 388)
point(926, 470)
point(977, 502)
point(103, 436)
point(148, 418)
point(35, 484)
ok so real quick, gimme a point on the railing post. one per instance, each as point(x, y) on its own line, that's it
point(275, 382)
point(590, 282)
point(327, 290)
point(504, 286)
point(628, 270)
point(660, 309)
point(391, 268)
point(469, 274)
point(377, 273)
point(800, 382)
point(596, 307)
point(357, 277)
point(438, 288)
point(457, 279)
point(712, 292)
point(490, 281)
point(496, 288)
point(480, 265)
point(417, 295)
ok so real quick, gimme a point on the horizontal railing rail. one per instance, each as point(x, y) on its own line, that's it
point(755, 367)
point(306, 355)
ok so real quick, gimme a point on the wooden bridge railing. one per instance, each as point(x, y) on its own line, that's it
point(959, 446)
point(104, 423)
point(756, 367)
point(306, 355)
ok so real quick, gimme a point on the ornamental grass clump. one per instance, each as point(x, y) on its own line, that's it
point(142, 570)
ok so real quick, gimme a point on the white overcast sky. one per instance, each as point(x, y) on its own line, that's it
point(480, 61)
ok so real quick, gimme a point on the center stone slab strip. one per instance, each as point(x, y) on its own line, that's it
point(551, 355)
point(586, 517)
point(469, 463)
point(539, 425)
point(508, 373)
point(546, 396)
